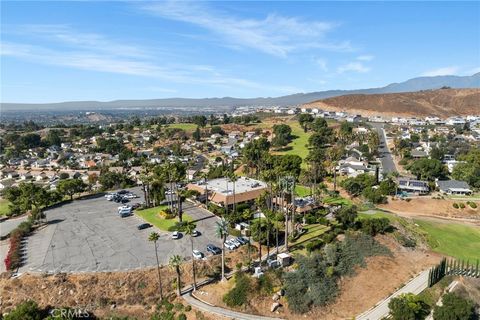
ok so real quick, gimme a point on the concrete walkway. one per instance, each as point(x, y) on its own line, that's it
point(381, 310)
point(198, 304)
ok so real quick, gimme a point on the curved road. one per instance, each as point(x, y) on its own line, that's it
point(229, 314)
point(381, 310)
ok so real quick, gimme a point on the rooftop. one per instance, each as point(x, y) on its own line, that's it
point(225, 185)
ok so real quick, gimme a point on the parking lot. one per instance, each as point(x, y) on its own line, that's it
point(88, 235)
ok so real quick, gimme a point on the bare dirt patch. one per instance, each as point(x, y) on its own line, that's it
point(381, 277)
point(425, 206)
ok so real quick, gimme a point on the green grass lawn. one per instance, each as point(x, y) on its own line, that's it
point(456, 240)
point(302, 191)
point(4, 209)
point(452, 239)
point(151, 216)
point(313, 231)
point(299, 144)
point(337, 200)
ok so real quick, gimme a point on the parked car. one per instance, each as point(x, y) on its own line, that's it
point(242, 240)
point(144, 226)
point(235, 242)
point(124, 200)
point(122, 192)
point(136, 205)
point(197, 254)
point(130, 196)
point(195, 233)
point(229, 245)
point(176, 235)
point(213, 249)
point(109, 197)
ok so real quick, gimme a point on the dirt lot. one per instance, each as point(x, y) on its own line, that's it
point(134, 293)
point(425, 206)
point(358, 293)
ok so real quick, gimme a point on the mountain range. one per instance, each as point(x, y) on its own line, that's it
point(415, 84)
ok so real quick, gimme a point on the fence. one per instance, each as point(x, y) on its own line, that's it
point(453, 267)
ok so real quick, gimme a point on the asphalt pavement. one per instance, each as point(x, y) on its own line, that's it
point(388, 165)
point(381, 310)
point(88, 235)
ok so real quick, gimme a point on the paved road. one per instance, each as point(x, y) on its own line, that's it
point(416, 285)
point(7, 226)
point(88, 235)
point(229, 314)
point(386, 158)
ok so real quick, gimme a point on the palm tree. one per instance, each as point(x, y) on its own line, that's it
point(189, 228)
point(175, 262)
point(205, 177)
point(222, 232)
point(154, 236)
point(233, 178)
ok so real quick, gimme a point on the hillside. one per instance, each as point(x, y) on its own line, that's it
point(441, 102)
point(415, 84)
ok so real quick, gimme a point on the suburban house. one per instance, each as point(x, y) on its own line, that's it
point(413, 186)
point(453, 187)
point(220, 191)
point(352, 167)
point(418, 154)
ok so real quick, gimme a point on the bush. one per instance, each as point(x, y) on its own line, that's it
point(26, 310)
point(408, 307)
point(455, 205)
point(314, 245)
point(454, 307)
point(182, 316)
point(461, 205)
point(237, 296)
point(472, 204)
point(375, 225)
point(188, 308)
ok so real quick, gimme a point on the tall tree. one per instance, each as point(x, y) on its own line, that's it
point(175, 263)
point(154, 237)
point(221, 232)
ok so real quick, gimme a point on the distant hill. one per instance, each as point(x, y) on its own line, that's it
point(441, 102)
point(416, 84)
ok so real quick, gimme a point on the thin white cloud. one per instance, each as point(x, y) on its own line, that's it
point(321, 63)
point(444, 71)
point(101, 62)
point(365, 58)
point(353, 67)
point(275, 34)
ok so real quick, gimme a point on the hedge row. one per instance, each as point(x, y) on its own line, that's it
point(13, 259)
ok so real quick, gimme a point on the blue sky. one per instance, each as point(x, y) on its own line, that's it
point(60, 51)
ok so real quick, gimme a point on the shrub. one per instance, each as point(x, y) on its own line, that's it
point(182, 316)
point(26, 310)
point(454, 307)
point(237, 296)
point(375, 225)
point(461, 205)
point(455, 205)
point(188, 308)
point(472, 204)
point(314, 245)
point(408, 307)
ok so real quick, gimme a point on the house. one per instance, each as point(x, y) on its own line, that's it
point(412, 186)
point(26, 176)
point(453, 187)
point(6, 183)
point(418, 154)
point(220, 191)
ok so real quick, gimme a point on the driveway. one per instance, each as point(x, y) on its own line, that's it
point(388, 165)
point(381, 310)
point(88, 235)
point(8, 225)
